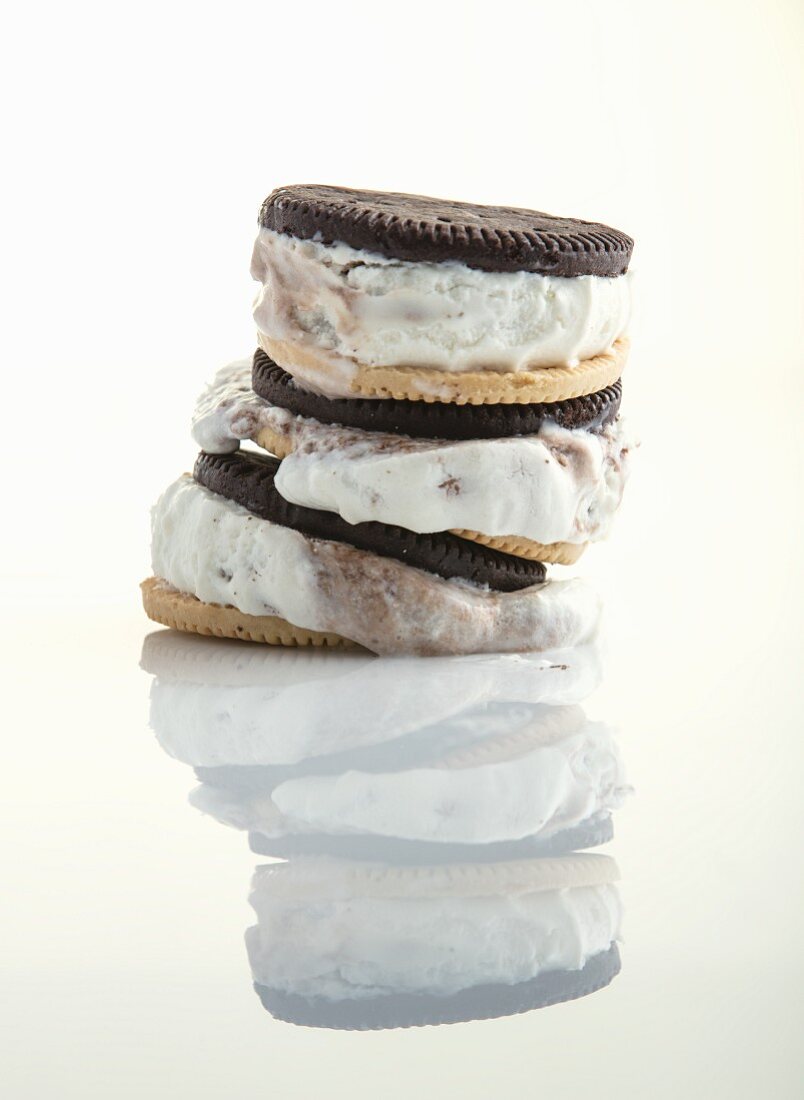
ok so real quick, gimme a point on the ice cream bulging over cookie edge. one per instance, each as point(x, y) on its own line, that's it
point(560, 485)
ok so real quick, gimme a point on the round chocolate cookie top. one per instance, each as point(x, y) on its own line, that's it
point(247, 478)
point(417, 228)
point(436, 420)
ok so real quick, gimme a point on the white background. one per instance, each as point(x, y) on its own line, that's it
point(139, 142)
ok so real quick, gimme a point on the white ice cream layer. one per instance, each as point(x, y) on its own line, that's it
point(539, 793)
point(557, 486)
point(364, 946)
point(355, 306)
point(211, 548)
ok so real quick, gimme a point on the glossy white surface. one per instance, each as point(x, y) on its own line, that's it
point(125, 933)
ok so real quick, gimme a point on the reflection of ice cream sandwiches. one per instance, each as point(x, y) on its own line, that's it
point(395, 759)
point(364, 947)
point(437, 387)
point(216, 703)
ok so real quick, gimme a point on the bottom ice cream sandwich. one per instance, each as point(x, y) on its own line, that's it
point(362, 947)
point(233, 558)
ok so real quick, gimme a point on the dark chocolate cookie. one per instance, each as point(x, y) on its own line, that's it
point(480, 1002)
point(417, 228)
point(248, 479)
point(432, 420)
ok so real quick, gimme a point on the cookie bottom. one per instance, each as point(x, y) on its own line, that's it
point(437, 420)
point(316, 369)
point(180, 611)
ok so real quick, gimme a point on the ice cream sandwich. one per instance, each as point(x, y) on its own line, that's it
point(368, 947)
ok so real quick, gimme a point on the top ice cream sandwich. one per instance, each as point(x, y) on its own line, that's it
point(409, 297)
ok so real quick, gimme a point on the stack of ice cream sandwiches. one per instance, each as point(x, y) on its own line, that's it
point(434, 404)
point(430, 815)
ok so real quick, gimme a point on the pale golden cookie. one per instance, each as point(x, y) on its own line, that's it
point(556, 553)
point(180, 611)
point(459, 387)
